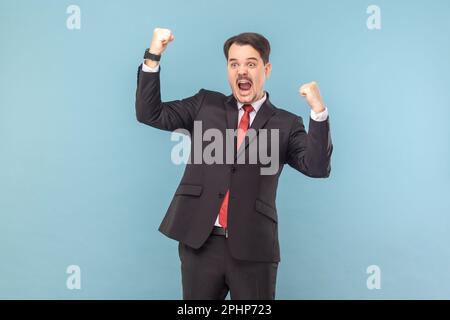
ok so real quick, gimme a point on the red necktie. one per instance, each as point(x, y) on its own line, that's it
point(243, 127)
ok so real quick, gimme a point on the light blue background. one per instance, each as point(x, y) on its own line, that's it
point(82, 182)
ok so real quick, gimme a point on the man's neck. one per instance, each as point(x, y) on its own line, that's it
point(256, 104)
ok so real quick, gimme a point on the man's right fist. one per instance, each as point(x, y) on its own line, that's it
point(161, 38)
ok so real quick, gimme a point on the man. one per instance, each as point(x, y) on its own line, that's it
point(224, 214)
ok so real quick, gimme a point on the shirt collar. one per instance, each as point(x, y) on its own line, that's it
point(256, 105)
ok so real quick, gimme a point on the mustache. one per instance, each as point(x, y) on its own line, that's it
point(243, 78)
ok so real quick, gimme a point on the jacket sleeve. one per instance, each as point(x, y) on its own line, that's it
point(310, 153)
point(169, 115)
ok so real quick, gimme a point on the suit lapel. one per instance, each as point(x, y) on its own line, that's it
point(232, 112)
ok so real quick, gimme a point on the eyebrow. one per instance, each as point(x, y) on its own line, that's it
point(251, 58)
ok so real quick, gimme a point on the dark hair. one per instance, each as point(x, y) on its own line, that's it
point(256, 40)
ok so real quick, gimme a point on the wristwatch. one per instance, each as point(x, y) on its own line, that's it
point(151, 56)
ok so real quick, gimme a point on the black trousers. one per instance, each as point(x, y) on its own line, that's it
point(210, 272)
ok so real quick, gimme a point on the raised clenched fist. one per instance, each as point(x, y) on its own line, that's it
point(312, 94)
point(160, 40)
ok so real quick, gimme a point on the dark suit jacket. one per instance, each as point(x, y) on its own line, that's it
point(252, 214)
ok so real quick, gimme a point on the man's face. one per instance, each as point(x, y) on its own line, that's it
point(246, 73)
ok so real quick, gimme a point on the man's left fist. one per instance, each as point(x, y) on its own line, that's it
point(312, 94)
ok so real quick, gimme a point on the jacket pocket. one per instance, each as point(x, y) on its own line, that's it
point(189, 189)
point(266, 210)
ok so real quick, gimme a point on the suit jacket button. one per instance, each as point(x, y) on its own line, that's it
point(221, 194)
point(233, 169)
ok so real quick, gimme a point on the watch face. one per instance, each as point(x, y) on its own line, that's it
point(151, 56)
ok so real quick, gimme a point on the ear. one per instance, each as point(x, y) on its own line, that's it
point(267, 69)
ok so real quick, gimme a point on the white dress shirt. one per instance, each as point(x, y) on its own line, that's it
point(321, 116)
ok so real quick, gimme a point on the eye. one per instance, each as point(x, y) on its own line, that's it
point(233, 65)
point(252, 64)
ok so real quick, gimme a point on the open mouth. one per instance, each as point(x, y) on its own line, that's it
point(244, 85)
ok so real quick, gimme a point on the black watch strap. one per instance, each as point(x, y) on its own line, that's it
point(151, 56)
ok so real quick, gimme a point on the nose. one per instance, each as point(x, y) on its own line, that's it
point(242, 70)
